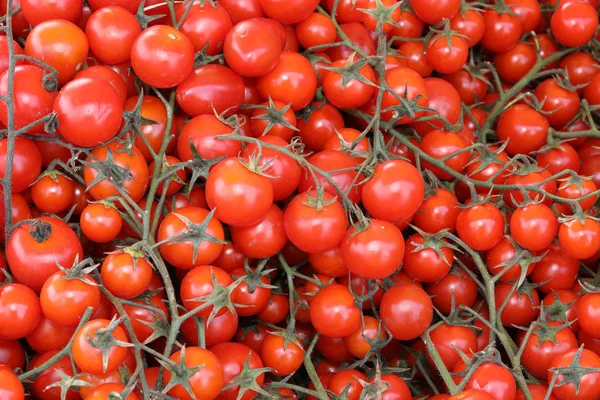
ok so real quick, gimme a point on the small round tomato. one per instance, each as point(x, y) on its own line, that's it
point(315, 30)
point(450, 341)
point(199, 282)
point(211, 89)
point(128, 172)
point(290, 12)
point(263, 239)
point(48, 336)
point(162, 56)
point(358, 342)
point(575, 190)
point(447, 55)
point(580, 239)
point(440, 144)
point(234, 358)
point(433, 12)
point(91, 359)
point(239, 196)
point(513, 64)
point(111, 32)
point(556, 270)
point(292, 81)
point(489, 377)
point(35, 248)
point(252, 48)
point(125, 275)
point(333, 312)
point(206, 25)
point(534, 226)
point(206, 382)
point(64, 300)
point(181, 222)
point(502, 31)
point(560, 105)
point(395, 192)
point(284, 358)
point(320, 126)
point(352, 93)
point(504, 255)
point(560, 158)
point(264, 122)
point(403, 82)
point(60, 44)
point(587, 386)
point(201, 134)
point(104, 391)
point(425, 261)
point(438, 211)
point(481, 226)
point(406, 310)
point(150, 136)
point(53, 193)
point(31, 99)
point(455, 288)
point(521, 307)
point(524, 128)
point(108, 74)
point(574, 23)
point(12, 388)
point(580, 67)
point(348, 382)
point(20, 311)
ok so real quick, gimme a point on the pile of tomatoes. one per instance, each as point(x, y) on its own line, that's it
point(335, 199)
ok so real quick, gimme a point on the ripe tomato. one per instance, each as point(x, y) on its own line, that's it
point(233, 358)
point(129, 5)
point(540, 348)
point(12, 354)
point(470, 88)
point(103, 392)
point(26, 163)
point(531, 179)
point(292, 81)
point(445, 101)
point(428, 264)
point(441, 144)
point(447, 55)
point(480, 226)
point(580, 67)
point(201, 133)
point(406, 310)
point(538, 392)
point(501, 256)
point(125, 275)
point(469, 394)
point(450, 341)
point(438, 211)
point(534, 226)
point(587, 387)
point(574, 23)
point(34, 249)
point(181, 254)
point(433, 12)
point(403, 82)
point(211, 88)
point(78, 121)
point(560, 158)
point(152, 108)
point(220, 330)
point(333, 312)
point(520, 308)
point(52, 375)
point(53, 193)
point(199, 282)
point(48, 336)
point(265, 238)
point(111, 32)
point(262, 122)
point(395, 192)
point(289, 12)
point(358, 342)
point(20, 311)
point(502, 31)
point(128, 170)
point(284, 359)
point(556, 270)
point(162, 56)
point(489, 377)
point(240, 196)
point(60, 44)
point(457, 287)
point(31, 99)
point(347, 10)
point(560, 105)
point(252, 47)
point(206, 25)
point(347, 381)
point(206, 383)
point(65, 300)
point(580, 239)
point(320, 125)
point(316, 30)
point(177, 180)
point(525, 129)
point(12, 388)
point(513, 64)
point(90, 359)
point(348, 94)
point(586, 310)
point(575, 190)
point(108, 74)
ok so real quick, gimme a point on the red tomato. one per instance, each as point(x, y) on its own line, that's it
point(534, 226)
point(456, 287)
point(502, 31)
point(206, 25)
point(20, 311)
point(574, 23)
point(284, 359)
point(201, 134)
point(235, 358)
point(441, 144)
point(263, 239)
point(450, 341)
point(560, 105)
point(480, 226)
point(407, 311)
point(580, 239)
point(91, 359)
point(111, 32)
point(520, 308)
point(433, 12)
point(206, 382)
point(427, 260)
point(403, 82)
point(352, 93)
point(162, 56)
point(289, 12)
point(525, 129)
point(316, 30)
point(12, 388)
point(333, 312)
point(587, 387)
point(489, 377)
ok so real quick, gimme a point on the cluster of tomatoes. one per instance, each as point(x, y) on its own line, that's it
point(335, 199)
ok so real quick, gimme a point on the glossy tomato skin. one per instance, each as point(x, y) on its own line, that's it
point(587, 308)
point(207, 382)
point(557, 270)
point(76, 105)
point(111, 32)
point(108, 74)
point(206, 25)
point(580, 239)
point(373, 253)
point(333, 313)
point(265, 238)
point(252, 48)
point(538, 392)
point(199, 282)
point(209, 86)
point(456, 284)
point(502, 31)
point(406, 310)
point(501, 256)
point(293, 80)
point(64, 301)
point(162, 56)
point(520, 309)
point(539, 351)
point(285, 360)
point(440, 144)
point(427, 264)
point(26, 163)
point(525, 129)
point(320, 126)
point(438, 211)
point(346, 380)
point(231, 184)
point(31, 261)
point(494, 379)
point(448, 340)
point(289, 12)
point(233, 357)
point(574, 23)
point(513, 64)
point(118, 268)
point(201, 133)
point(589, 387)
point(480, 226)
point(560, 105)
point(50, 376)
point(20, 311)
point(351, 94)
point(403, 81)
point(31, 100)
point(395, 192)
point(132, 160)
point(181, 255)
point(534, 226)
point(88, 358)
point(61, 44)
